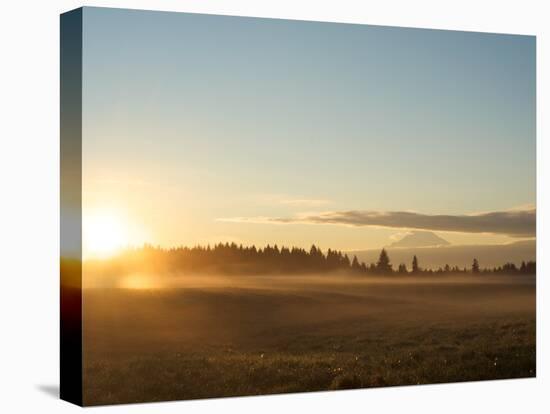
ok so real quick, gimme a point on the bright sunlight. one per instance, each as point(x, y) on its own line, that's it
point(104, 234)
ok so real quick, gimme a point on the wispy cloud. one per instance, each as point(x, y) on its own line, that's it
point(514, 223)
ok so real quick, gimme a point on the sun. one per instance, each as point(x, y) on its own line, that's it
point(104, 234)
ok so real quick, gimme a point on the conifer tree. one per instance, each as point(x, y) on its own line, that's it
point(475, 266)
point(383, 265)
point(415, 268)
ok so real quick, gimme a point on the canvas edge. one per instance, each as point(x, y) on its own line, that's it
point(71, 369)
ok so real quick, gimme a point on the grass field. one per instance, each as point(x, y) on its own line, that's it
point(218, 337)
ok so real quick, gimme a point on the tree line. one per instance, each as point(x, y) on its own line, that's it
point(238, 259)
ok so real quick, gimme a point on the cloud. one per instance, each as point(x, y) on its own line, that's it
point(514, 223)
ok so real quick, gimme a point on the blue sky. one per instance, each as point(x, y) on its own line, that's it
point(191, 118)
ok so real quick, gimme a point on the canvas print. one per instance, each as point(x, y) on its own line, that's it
point(260, 206)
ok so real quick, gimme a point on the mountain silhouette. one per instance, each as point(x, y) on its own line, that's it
point(420, 239)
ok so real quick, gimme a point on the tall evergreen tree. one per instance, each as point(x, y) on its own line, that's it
point(383, 265)
point(355, 263)
point(475, 266)
point(415, 267)
point(346, 263)
point(523, 267)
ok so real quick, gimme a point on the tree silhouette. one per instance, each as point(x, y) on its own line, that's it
point(230, 258)
point(475, 266)
point(529, 268)
point(415, 268)
point(383, 265)
point(356, 267)
point(345, 261)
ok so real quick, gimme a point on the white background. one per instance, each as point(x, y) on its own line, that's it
point(29, 205)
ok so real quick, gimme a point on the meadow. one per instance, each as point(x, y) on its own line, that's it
point(222, 336)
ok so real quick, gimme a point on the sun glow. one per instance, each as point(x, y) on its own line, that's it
point(138, 281)
point(104, 234)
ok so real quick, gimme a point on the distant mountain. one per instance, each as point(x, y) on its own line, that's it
point(462, 256)
point(420, 239)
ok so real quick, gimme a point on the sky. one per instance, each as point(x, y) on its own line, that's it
point(200, 128)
